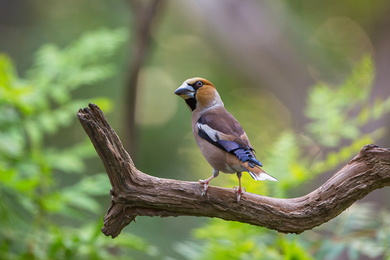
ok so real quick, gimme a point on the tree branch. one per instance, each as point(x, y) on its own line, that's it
point(135, 193)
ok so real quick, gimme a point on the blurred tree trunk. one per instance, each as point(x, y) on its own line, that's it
point(145, 14)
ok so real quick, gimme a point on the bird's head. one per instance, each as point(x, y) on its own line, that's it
point(199, 93)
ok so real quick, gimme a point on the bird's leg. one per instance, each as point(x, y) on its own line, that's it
point(239, 189)
point(206, 181)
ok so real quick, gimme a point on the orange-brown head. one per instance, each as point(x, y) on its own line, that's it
point(199, 93)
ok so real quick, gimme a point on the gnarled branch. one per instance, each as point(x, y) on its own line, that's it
point(135, 193)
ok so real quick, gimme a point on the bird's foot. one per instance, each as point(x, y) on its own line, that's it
point(239, 192)
point(205, 184)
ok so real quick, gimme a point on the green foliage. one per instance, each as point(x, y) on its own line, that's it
point(360, 231)
point(232, 240)
point(41, 217)
point(331, 108)
point(337, 115)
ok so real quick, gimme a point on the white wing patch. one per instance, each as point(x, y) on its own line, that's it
point(212, 133)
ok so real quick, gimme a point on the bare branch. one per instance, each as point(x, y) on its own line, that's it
point(135, 193)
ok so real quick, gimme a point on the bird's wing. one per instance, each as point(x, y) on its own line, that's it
point(221, 129)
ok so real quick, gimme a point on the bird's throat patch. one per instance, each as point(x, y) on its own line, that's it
point(191, 103)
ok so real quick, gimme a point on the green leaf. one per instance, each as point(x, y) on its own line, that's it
point(80, 200)
point(96, 185)
point(7, 73)
point(330, 107)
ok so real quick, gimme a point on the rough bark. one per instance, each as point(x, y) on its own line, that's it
point(135, 193)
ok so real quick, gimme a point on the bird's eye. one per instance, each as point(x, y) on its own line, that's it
point(198, 84)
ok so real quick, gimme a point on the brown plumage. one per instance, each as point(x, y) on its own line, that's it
point(220, 137)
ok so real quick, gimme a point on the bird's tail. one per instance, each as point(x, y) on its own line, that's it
point(257, 173)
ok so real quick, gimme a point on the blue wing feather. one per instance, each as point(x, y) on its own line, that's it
point(243, 152)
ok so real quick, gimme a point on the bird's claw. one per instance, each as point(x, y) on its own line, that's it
point(239, 192)
point(205, 186)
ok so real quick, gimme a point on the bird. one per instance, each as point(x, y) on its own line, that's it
point(220, 137)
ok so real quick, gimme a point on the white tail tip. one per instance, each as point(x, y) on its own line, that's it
point(262, 176)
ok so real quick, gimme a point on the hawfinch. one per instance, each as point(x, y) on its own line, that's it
point(218, 134)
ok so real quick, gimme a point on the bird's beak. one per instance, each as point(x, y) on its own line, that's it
point(185, 91)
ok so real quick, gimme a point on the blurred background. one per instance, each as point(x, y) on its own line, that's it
point(308, 80)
